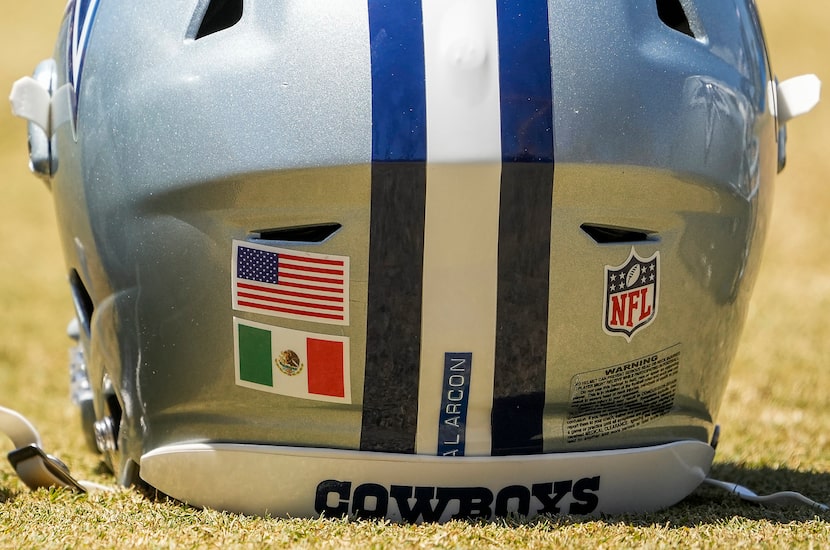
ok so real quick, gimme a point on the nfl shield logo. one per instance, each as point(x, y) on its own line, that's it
point(631, 295)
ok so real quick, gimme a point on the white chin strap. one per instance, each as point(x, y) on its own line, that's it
point(32, 464)
point(782, 498)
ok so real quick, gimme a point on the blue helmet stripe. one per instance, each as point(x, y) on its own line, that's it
point(525, 81)
point(524, 227)
point(396, 238)
point(398, 88)
point(81, 15)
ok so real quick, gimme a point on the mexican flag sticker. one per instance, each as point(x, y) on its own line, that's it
point(292, 362)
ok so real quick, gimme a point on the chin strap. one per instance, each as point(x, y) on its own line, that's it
point(783, 497)
point(30, 461)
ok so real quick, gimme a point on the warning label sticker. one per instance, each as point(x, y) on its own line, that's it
point(618, 398)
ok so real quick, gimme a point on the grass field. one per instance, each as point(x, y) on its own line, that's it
point(775, 416)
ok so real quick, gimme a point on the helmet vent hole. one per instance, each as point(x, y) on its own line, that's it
point(216, 15)
point(672, 13)
point(301, 234)
point(604, 234)
point(81, 300)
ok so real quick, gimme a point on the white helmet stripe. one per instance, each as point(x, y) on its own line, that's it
point(462, 225)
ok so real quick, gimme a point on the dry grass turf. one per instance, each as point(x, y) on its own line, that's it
point(775, 416)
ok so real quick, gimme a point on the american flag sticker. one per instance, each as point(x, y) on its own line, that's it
point(293, 363)
point(290, 284)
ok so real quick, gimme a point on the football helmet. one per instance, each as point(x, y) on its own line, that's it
point(422, 259)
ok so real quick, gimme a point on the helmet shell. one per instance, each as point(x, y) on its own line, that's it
point(486, 175)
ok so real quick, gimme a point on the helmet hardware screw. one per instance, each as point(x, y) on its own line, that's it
point(105, 435)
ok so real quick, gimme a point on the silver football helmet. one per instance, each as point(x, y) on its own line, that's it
point(422, 259)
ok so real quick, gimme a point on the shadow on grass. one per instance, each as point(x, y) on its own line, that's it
point(716, 504)
point(712, 506)
point(7, 495)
